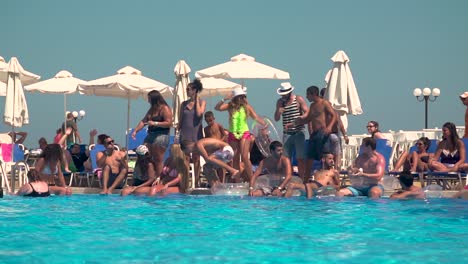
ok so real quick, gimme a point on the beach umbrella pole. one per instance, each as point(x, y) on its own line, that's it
point(12, 171)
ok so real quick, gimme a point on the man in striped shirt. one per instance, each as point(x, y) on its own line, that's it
point(289, 107)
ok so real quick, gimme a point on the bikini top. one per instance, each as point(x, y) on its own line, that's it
point(34, 193)
point(448, 157)
point(425, 159)
point(157, 118)
point(166, 171)
point(238, 124)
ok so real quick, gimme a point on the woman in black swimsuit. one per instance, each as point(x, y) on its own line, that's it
point(38, 188)
point(159, 121)
point(417, 160)
point(450, 153)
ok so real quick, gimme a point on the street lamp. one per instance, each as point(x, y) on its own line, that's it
point(78, 115)
point(425, 95)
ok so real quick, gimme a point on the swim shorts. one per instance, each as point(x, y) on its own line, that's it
point(317, 141)
point(364, 191)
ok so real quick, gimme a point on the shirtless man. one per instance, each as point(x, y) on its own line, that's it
point(288, 107)
point(217, 154)
point(213, 129)
point(408, 190)
point(367, 172)
point(276, 167)
point(333, 144)
point(114, 166)
point(327, 176)
point(321, 126)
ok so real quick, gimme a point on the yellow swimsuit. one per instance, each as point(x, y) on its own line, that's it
point(238, 124)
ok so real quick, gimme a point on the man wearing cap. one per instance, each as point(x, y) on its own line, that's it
point(216, 153)
point(290, 107)
point(463, 98)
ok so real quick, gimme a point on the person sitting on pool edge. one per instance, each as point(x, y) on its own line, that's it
point(408, 190)
point(277, 169)
point(114, 167)
point(217, 154)
point(326, 176)
point(366, 173)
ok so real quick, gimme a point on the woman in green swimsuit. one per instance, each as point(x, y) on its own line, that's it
point(239, 136)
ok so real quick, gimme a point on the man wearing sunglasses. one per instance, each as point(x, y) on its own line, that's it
point(114, 166)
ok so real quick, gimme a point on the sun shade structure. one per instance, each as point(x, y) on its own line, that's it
point(128, 83)
point(242, 67)
point(181, 71)
point(2, 89)
point(16, 109)
point(341, 91)
point(62, 83)
point(215, 86)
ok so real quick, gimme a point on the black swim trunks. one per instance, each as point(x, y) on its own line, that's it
point(316, 144)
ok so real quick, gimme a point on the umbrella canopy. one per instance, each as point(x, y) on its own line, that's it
point(16, 109)
point(62, 83)
point(242, 67)
point(341, 90)
point(127, 83)
point(181, 72)
point(215, 86)
point(15, 67)
point(3, 64)
point(2, 89)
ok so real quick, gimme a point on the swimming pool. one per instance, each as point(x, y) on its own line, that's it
point(227, 229)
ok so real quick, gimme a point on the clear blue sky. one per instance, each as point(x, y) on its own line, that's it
point(394, 47)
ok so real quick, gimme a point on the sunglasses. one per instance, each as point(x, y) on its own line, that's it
point(109, 142)
point(370, 126)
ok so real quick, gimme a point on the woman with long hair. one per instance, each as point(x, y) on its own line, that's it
point(49, 168)
point(239, 136)
point(190, 120)
point(143, 174)
point(450, 153)
point(374, 131)
point(159, 121)
point(174, 176)
point(418, 160)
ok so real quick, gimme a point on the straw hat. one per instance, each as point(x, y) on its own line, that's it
point(285, 89)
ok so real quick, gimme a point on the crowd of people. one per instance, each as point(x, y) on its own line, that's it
point(228, 153)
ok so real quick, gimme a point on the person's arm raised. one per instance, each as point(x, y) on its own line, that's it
point(279, 109)
point(222, 105)
point(200, 105)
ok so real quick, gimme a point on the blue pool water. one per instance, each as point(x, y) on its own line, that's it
point(224, 229)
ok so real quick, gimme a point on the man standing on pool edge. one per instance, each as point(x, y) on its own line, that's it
point(289, 107)
point(367, 172)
